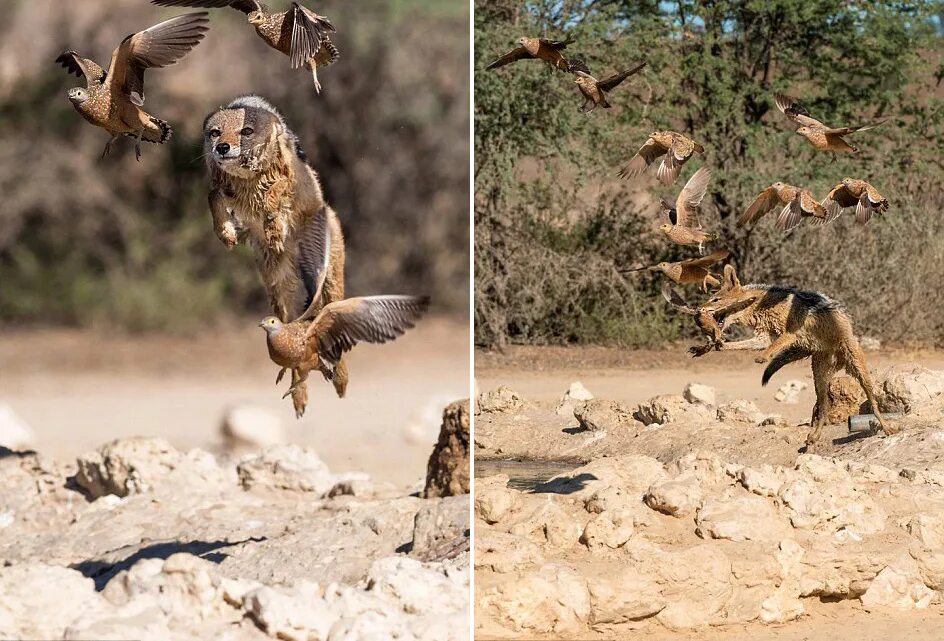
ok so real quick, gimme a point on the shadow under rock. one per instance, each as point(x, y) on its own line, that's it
point(102, 571)
point(6, 452)
point(564, 484)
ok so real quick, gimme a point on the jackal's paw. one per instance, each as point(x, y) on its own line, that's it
point(227, 235)
point(699, 350)
point(760, 359)
point(889, 430)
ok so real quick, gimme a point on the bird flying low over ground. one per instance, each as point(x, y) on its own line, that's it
point(299, 33)
point(319, 337)
point(797, 204)
point(819, 135)
point(593, 90)
point(691, 271)
point(674, 148)
point(683, 227)
point(113, 99)
point(852, 192)
point(536, 49)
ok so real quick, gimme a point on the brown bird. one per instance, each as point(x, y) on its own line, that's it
point(299, 33)
point(112, 100)
point(675, 148)
point(593, 90)
point(797, 204)
point(819, 135)
point(319, 337)
point(683, 227)
point(691, 271)
point(852, 192)
point(536, 49)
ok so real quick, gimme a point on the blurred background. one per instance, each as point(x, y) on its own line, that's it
point(553, 223)
point(112, 282)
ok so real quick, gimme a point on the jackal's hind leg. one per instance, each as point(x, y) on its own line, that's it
point(856, 367)
point(780, 344)
point(823, 369)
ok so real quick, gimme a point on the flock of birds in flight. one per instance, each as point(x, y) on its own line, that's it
point(113, 99)
point(668, 151)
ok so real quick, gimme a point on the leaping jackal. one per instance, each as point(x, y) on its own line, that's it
point(789, 324)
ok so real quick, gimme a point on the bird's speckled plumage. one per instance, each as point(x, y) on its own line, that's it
point(299, 33)
point(820, 135)
point(693, 271)
point(797, 204)
point(674, 149)
point(853, 192)
point(684, 227)
point(595, 91)
point(536, 49)
point(113, 99)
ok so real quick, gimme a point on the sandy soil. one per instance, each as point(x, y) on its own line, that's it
point(80, 389)
point(631, 377)
point(541, 375)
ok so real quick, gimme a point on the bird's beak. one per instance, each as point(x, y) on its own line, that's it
point(260, 324)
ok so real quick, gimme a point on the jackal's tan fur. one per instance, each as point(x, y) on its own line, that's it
point(789, 324)
point(267, 191)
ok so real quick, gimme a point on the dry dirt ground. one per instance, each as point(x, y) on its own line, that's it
point(78, 390)
point(665, 532)
point(542, 374)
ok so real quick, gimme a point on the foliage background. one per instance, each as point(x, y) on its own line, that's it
point(118, 244)
point(553, 222)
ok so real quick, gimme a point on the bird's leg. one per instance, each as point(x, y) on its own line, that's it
point(278, 378)
point(300, 391)
point(137, 145)
point(314, 75)
point(108, 144)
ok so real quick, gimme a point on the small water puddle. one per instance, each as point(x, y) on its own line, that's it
point(524, 475)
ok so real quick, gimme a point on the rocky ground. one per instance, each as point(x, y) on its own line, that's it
point(688, 516)
point(138, 540)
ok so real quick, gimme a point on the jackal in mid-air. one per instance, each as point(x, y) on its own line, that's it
point(789, 324)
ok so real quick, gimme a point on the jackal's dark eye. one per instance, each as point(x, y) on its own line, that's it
point(247, 131)
point(214, 133)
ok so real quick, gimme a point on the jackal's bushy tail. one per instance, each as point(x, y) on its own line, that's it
point(787, 356)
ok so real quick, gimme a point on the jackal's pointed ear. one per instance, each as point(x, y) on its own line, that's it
point(730, 278)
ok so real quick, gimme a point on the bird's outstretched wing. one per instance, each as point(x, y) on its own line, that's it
point(682, 148)
point(246, 6)
point(796, 112)
point(372, 319)
point(646, 155)
point(691, 196)
point(576, 64)
point(158, 46)
point(607, 84)
point(556, 44)
point(673, 298)
point(518, 53)
point(794, 211)
point(763, 203)
point(842, 131)
point(835, 201)
point(710, 259)
point(314, 256)
point(74, 63)
point(308, 31)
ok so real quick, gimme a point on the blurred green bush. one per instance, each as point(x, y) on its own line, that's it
point(130, 245)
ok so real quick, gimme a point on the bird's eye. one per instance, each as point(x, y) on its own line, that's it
point(247, 131)
point(214, 133)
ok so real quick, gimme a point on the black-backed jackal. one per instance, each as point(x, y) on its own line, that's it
point(789, 324)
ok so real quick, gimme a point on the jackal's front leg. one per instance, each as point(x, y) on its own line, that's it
point(223, 223)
